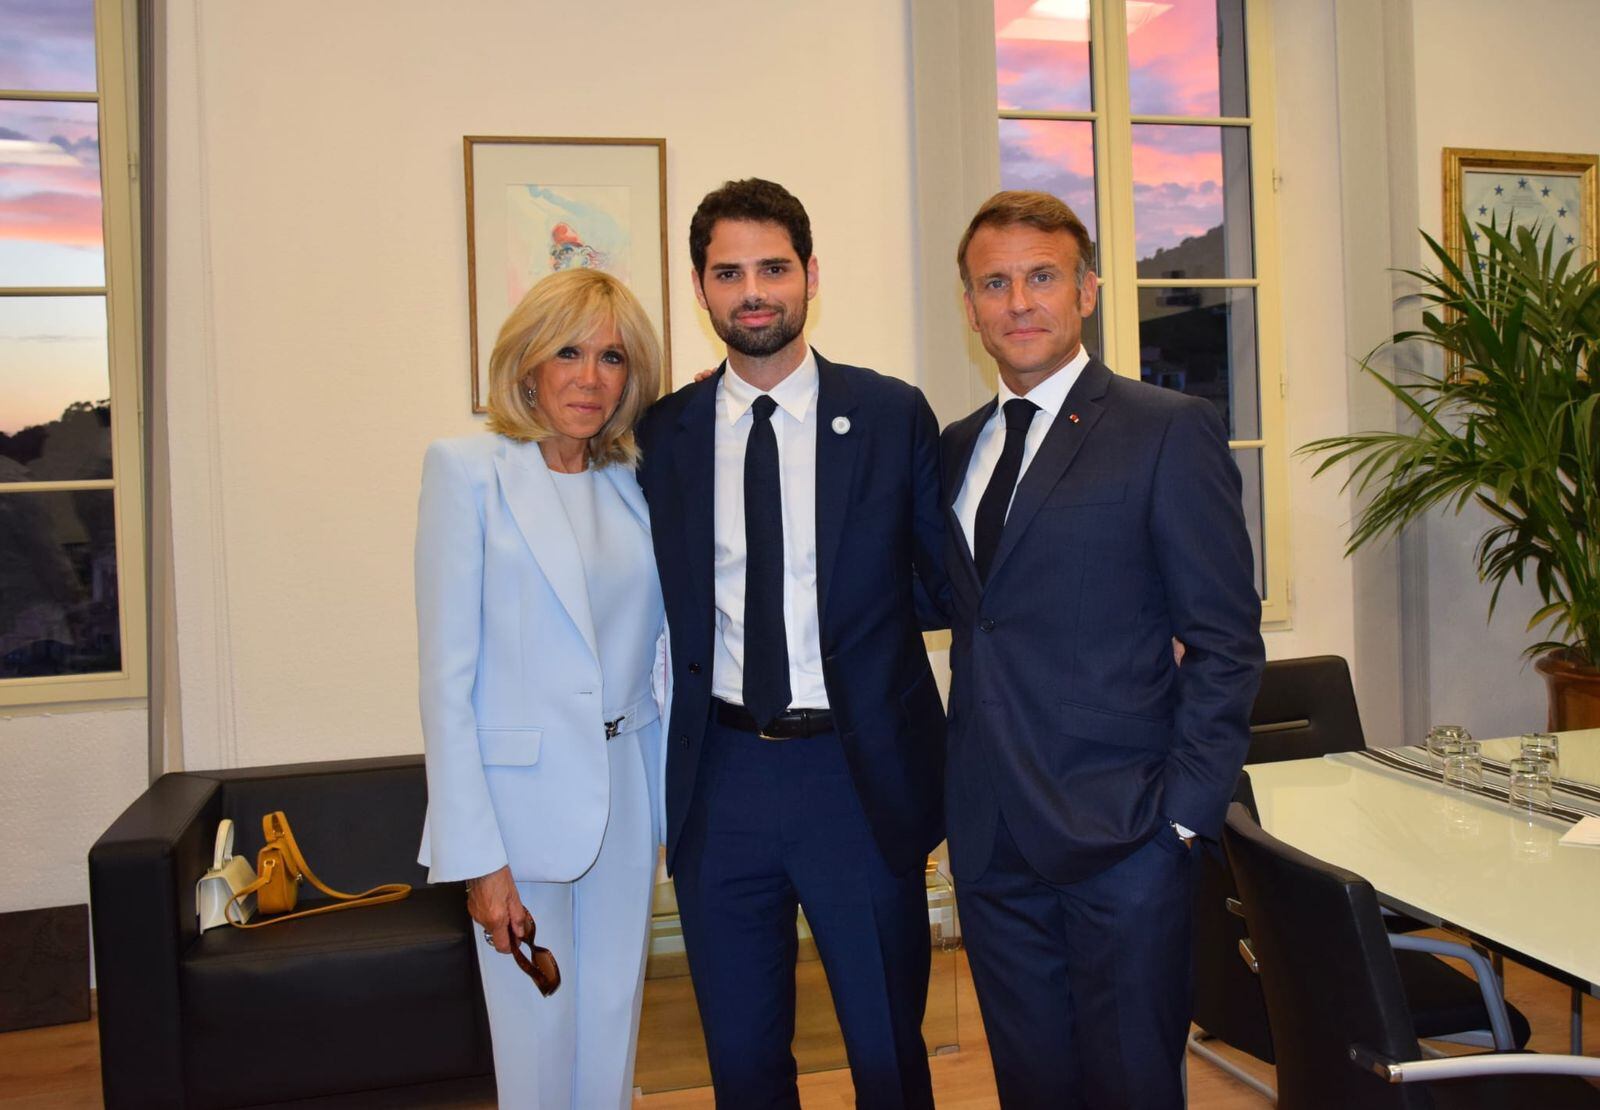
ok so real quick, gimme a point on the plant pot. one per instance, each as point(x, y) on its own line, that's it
point(1574, 691)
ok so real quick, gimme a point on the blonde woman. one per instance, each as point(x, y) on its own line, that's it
point(538, 618)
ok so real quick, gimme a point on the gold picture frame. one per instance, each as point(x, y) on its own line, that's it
point(1523, 188)
point(535, 205)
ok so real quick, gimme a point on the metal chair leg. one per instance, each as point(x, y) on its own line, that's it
point(1197, 1045)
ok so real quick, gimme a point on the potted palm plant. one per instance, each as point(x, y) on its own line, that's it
point(1511, 422)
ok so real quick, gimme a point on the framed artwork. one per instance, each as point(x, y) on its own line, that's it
point(535, 206)
point(1526, 189)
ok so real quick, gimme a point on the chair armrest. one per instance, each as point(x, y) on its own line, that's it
point(1488, 981)
point(142, 873)
point(1467, 1067)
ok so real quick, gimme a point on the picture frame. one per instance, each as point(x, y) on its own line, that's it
point(1522, 188)
point(537, 205)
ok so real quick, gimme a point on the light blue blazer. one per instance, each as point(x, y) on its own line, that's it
point(513, 709)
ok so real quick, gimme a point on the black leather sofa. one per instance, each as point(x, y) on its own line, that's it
point(379, 1005)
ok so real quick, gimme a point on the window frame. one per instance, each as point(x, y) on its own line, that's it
point(116, 93)
point(1113, 120)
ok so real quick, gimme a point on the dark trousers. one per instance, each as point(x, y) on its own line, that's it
point(1084, 987)
point(776, 826)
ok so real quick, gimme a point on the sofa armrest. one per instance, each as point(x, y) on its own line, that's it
point(142, 874)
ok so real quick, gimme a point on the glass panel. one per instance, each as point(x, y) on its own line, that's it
point(1186, 58)
point(1203, 342)
point(50, 231)
point(1248, 460)
point(47, 45)
point(55, 416)
point(58, 584)
point(1191, 201)
point(1055, 156)
point(1041, 53)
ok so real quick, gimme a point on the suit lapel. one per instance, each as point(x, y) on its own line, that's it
point(530, 494)
point(962, 441)
point(1055, 454)
point(694, 457)
point(836, 464)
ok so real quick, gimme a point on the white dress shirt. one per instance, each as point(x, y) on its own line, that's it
point(1049, 395)
point(794, 423)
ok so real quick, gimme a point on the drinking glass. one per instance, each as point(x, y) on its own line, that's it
point(1463, 767)
point(1441, 737)
point(1528, 785)
point(1546, 747)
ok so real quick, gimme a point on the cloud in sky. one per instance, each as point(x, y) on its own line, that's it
point(48, 44)
point(49, 176)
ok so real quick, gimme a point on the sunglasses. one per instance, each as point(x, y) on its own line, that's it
point(541, 967)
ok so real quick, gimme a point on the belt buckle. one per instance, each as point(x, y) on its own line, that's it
point(614, 728)
point(765, 735)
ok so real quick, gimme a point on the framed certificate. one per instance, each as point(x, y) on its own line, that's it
point(1544, 192)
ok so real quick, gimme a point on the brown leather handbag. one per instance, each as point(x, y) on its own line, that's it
point(280, 869)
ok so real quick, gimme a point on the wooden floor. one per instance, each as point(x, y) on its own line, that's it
point(58, 1067)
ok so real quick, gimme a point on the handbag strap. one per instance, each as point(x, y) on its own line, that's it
point(276, 827)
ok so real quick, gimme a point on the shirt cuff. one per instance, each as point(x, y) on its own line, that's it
point(1186, 834)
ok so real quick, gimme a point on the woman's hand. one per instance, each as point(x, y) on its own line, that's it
point(494, 904)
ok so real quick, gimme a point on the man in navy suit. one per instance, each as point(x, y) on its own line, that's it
point(796, 517)
point(1093, 520)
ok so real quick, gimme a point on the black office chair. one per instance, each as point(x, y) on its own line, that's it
point(1342, 1031)
point(1305, 708)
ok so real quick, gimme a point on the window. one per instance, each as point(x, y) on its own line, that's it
point(71, 562)
point(1149, 119)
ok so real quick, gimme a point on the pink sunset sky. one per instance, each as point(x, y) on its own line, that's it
point(52, 350)
point(1042, 58)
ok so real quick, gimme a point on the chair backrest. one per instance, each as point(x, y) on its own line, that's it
point(1227, 997)
point(1305, 708)
point(1327, 971)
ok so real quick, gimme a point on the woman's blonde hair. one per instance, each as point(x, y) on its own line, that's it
point(561, 310)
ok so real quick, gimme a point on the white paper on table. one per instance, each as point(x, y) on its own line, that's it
point(1585, 834)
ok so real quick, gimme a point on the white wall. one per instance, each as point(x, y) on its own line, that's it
point(323, 296)
point(68, 773)
point(1550, 47)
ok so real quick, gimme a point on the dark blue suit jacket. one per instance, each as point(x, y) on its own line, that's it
point(880, 542)
point(1067, 712)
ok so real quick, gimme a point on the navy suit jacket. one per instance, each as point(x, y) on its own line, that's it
point(1067, 712)
point(880, 544)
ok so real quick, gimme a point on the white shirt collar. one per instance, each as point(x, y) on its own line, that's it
point(796, 394)
point(1051, 393)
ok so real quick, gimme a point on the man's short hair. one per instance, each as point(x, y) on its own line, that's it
point(751, 199)
point(1043, 211)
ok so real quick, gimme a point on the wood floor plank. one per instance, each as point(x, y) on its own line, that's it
point(58, 1067)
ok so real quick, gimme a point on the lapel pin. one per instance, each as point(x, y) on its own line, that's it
point(1072, 416)
point(841, 425)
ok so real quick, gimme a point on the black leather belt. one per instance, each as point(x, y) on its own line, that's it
point(792, 725)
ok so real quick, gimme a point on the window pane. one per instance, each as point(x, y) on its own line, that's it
point(1203, 342)
point(58, 584)
point(1054, 156)
point(50, 231)
point(47, 45)
point(1191, 201)
point(1041, 53)
point(1186, 58)
point(1248, 460)
point(54, 383)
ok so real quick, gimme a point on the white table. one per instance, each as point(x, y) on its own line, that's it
point(1457, 860)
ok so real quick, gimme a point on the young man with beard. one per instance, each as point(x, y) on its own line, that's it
point(795, 509)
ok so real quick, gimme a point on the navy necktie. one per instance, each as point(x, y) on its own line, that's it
point(996, 498)
point(766, 647)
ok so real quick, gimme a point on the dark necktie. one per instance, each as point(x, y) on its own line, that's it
point(766, 648)
point(997, 495)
